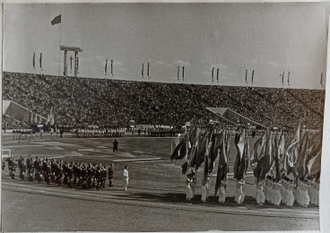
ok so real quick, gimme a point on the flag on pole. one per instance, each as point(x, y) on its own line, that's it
point(206, 166)
point(218, 75)
point(182, 72)
point(148, 71)
point(178, 73)
point(34, 60)
point(111, 67)
point(268, 158)
point(56, 20)
point(192, 147)
point(314, 165)
point(241, 162)
point(275, 168)
point(281, 153)
point(212, 74)
point(213, 154)
point(289, 78)
point(252, 76)
point(142, 69)
point(202, 148)
point(292, 151)
point(40, 61)
point(259, 150)
point(246, 73)
point(223, 151)
point(282, 78)
point(106, 67)
point(179, 151)
point(301, 168)
point(313, 162)
point(261, 158)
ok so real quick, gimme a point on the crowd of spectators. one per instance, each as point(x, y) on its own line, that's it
point(11, 123)
point(101, 102)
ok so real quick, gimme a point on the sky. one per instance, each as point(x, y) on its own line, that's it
point(269, 38)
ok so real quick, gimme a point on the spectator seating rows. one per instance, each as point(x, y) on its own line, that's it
point(115, 102)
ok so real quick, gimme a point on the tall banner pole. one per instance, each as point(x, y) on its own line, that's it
point(111, 67)
point(142, 70)
point(59, 53)
point(246, 80)
point(212, 74)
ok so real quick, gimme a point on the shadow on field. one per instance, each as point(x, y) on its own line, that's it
point(180, 198)
point(161, 197)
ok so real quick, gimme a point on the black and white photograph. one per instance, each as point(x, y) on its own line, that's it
point(163, 117)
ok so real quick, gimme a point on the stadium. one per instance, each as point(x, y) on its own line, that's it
point(98, 140)
point(113, 103)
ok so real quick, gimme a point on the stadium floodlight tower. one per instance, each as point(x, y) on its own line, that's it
point(75, 50)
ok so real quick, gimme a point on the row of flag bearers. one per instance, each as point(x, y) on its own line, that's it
point(287, 191)
point(286, 165)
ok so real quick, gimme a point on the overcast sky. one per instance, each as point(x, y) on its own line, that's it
point(268, 38)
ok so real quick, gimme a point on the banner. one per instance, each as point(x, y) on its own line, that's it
point(34, 61)
point(246, 71)
point(111, 67)
point(142, 69)
point(40, 61)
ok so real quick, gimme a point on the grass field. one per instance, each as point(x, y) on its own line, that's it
point(154, 172)
point(153, 179)
point(158, 172)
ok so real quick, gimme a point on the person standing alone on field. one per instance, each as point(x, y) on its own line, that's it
point(126, 177)
point(115, 146)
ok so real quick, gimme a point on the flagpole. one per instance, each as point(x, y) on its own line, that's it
point(59, 52)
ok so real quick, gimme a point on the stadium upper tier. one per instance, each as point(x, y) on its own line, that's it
point(116, 102)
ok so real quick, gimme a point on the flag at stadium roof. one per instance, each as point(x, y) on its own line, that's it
point(56, 20)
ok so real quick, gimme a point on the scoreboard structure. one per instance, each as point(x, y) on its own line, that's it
point(76, 59)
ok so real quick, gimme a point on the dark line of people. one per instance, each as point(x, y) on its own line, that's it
point(96, 133)
point(59, 171)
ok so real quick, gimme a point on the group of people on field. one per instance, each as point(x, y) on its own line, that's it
point(58, 171)
point(286, 191)
point(27, 134)
point(96, 133)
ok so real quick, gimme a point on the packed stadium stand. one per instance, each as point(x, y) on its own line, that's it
point(108, 102)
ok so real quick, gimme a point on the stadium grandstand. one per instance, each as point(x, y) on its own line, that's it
point(113, 103)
